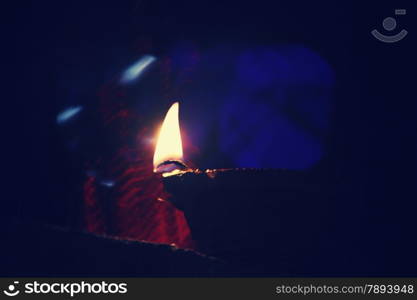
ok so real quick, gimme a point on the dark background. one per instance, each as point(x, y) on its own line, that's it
point(62, 52)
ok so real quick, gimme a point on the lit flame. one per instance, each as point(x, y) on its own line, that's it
point(169, 144)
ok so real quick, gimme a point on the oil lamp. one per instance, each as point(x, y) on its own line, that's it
point(264, 220)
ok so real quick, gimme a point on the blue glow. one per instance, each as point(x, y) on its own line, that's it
point(68, 114)
point(135, 70)
point(258, 106)
point(277, 113)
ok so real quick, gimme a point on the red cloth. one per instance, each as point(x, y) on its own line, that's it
point(134, 206)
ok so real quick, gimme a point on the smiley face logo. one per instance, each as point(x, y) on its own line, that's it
point(12, 290)
point(390, 24)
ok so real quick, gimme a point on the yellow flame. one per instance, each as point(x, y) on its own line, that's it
point(169, 144)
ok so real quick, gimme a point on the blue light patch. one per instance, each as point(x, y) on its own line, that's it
point(134, 71)
point(107, 183)
point(68, 114)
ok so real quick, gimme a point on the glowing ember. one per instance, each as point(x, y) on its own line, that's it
point(169, 144)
